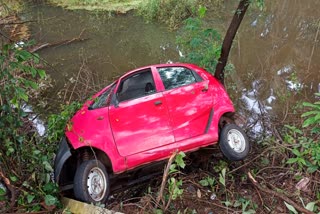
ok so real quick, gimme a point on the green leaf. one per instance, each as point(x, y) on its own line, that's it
point(13, 178)
point(179, 160)
point(308, 113)
point(291, 208)
point(222, 177)
point(296, 152)
point(310, 206)
point(204, 183)
point(30, 198)
point(47, 166)
point(309, 121)
point(292, 160)
point(202, 11)
point(2, 192)
point(41, 73)
point(50, 200)
point(33, 72)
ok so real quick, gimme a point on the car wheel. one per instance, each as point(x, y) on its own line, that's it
point(233, 142)
point(91, 182)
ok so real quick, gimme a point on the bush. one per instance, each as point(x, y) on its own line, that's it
point(170, 12)
point(198, 44)
point(25, 158)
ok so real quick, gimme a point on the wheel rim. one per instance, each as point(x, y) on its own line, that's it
point(97, 184)
point(236, 140)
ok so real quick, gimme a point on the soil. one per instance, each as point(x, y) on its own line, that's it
point(240, 194)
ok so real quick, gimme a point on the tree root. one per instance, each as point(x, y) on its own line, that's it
point(279, 195)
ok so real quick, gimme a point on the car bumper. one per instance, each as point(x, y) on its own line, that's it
point(62, 156)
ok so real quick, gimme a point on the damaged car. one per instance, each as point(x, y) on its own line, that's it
point(140, 119)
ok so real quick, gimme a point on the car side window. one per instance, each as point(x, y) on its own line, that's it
point(173, 77)
point(101, 100)
point(137, 85)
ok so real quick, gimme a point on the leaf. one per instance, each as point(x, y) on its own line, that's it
point(291, 208)
point(204, 183)
point(296, 152)
point(202, 11)
point(13, 178)
point(33, 72)
point(47, 166)
point(30, 198)
point(292, 160)
point(179, 160)
point(308, 113)
point(41, 73)
point(50, 200)
point(222, 177)
point(310, 206)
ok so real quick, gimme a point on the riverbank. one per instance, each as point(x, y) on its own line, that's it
point(118, 6)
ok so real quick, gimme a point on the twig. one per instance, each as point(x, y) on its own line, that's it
point(10, 187)
point(279, 195)
point(312, 51)
point(165, 176)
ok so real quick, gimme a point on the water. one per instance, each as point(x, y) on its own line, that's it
point(275, 53)
point(114, 45)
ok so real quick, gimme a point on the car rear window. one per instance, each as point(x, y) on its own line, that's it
point(173, 77)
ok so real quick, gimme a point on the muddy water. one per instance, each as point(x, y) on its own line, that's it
point(276, 52)
point(113, 45)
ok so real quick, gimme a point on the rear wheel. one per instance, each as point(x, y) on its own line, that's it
point(233, 142)
point(91, 182)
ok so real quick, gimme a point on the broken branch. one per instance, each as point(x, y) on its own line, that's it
point(164, 177)
point(60, 43)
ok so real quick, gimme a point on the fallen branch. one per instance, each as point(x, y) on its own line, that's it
point(57, 44)
point(10, 187)
point(164, 177)
point(279, 195)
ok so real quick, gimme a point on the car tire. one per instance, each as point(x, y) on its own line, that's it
point(233, 142)
point(91, 182)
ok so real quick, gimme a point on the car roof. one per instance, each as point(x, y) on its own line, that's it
point(189, 65)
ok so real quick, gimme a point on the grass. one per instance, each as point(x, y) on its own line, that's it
point(121, 6)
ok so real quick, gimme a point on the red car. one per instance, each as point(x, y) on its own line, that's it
point(142, 118)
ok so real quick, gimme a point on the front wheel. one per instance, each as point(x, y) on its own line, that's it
point(233, 142)
point(91, 182)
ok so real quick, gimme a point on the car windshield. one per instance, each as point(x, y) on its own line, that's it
point(101, 100)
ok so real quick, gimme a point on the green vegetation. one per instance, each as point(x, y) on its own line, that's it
point(199, 44)
point(121, 6)
point(29, 181)
point(7, 7)
point(170, 12)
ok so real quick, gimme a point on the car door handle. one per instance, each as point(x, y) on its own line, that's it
point(158, 102)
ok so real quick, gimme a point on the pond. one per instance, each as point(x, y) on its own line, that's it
point(275, 54)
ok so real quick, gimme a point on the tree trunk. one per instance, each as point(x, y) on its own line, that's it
point(228, 39)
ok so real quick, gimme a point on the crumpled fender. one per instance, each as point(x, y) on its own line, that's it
point(62, 156)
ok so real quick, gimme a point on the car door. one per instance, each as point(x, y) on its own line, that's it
point(139, 119)
point(188, 99)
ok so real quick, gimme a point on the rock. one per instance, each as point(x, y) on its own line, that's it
point(303, 184)
point(74, 206)
point(213, 196)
